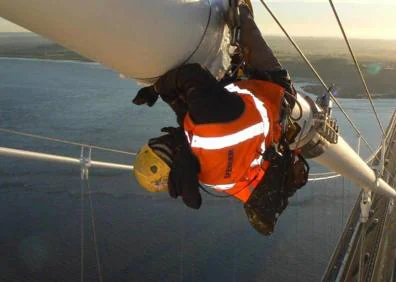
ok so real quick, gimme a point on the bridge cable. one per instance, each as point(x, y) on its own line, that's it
point(316, 73)
point(82, 227)
point(95, 241)
point(357, 66)
point(57, 140)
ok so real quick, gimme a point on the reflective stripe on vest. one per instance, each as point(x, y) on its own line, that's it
point(264, 115)
point(214, 143)
point(219, 186)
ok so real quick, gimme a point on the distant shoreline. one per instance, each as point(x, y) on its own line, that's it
point(311, 85)
point(50, 59)
point(67, 57)
point(329, 56)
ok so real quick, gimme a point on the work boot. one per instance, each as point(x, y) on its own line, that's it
point(268, 200)
point(263, 209)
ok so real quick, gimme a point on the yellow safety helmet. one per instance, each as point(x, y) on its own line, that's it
point(151, 171)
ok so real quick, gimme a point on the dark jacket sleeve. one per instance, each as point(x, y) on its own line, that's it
point(192, 88)
point(280, 77)
point(261, 61)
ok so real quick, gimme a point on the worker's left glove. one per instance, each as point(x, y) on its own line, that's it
point(177, 84)
point(146, 95)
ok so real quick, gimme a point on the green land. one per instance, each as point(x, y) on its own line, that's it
point(330, 56)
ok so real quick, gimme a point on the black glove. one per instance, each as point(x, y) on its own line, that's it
point(180, 82)
point(146, 95)
point(174, 138)
point(165, 146)
point(183, 178)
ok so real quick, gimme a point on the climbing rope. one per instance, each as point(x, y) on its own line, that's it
point(357, 66)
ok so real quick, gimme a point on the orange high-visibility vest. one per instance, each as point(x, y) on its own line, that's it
point(231, 154)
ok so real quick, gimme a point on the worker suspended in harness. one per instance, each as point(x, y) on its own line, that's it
point(231, 138)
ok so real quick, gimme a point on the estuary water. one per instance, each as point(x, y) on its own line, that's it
point(141, 236)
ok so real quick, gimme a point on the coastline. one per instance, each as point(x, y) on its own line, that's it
point(347, 84)
point(54, 60)
point(54, 57)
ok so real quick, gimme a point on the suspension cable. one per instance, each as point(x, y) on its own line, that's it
point(36, 136)
point(316, 74)
point(82, 227)
point(95, 241)
point(357, 66)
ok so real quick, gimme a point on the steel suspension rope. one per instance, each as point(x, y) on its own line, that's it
point(357, 66)
point(95, 241)
point(315, 73)
point(82, 227)
point(36, 136)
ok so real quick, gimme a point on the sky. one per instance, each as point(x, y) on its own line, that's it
point(361, 18)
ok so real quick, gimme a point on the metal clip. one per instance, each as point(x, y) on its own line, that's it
point(234, 22)
point(325, 101)
point(383, 152)
point(380, 166)
point(85, 163)
point(359, 144)
point(365, 206)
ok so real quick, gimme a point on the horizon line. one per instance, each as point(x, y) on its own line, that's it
point(265, 35)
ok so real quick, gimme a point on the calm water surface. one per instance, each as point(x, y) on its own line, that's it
point(142, 237)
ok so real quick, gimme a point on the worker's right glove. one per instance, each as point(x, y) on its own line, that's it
point(183, 177)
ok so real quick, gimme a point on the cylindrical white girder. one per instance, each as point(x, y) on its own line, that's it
point(343, 159)
point(339, 157)
point(140, 39)
point(59, 159)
